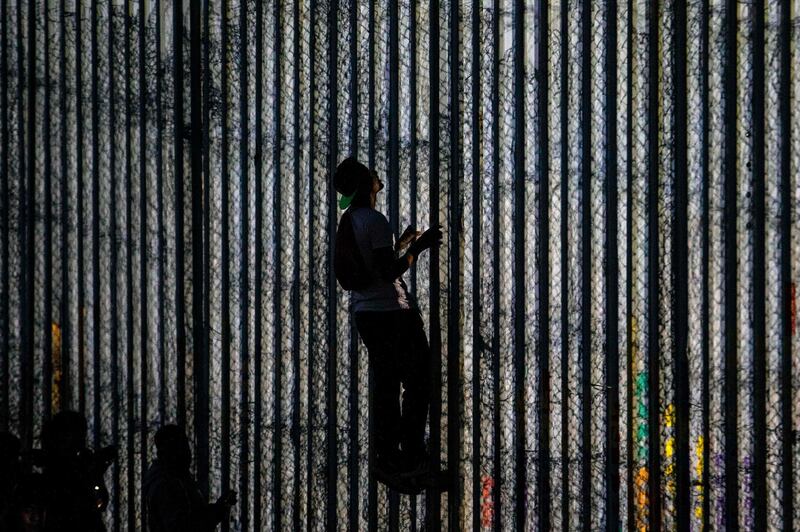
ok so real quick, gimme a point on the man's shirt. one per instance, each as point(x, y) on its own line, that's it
point(372, 231)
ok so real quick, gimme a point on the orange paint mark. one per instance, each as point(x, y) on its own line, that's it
point(55, 394)
point(487, 504)
point(640, 483)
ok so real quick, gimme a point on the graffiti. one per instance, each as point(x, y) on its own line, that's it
point(487, 504)
point(698, 509)
point(55, 393)
point(640, 443)
point(669, 451)
point(641, 498)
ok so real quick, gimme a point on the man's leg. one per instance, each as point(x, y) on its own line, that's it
point(377, 331)
point(415, 364)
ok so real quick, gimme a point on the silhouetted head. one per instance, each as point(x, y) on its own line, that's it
point(172, 447)
point(356, 183)
point(9, 448)
point(64, 435)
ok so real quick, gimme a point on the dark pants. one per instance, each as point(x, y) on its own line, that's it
point(398, 353)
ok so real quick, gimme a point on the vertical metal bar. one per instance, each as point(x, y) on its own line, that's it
point(332, 359)
point(96, 355)
point(353, 462)
point(705, 353)
point(28, 172)
point(296, 274)
point(372, 488)
point(130, 421)
point(114, 343)
point(143, 293)
point(5, 294)
point(21, 227)
point(433, 501)
point(201, 198)
point(258, 276)
point(412, 118)
point(496, 429)
point(160, 291)
point(225, 310)
point(477, 339)
point(519, 266)
point(543, 281)
point(201, 216)
point(454, 222)
point(654, 354)
point(79, 198)
point(244, 274)
point(394, 117)
point(47, 369)
point(394, 180)
point(730, 254)
point(412, 113)
point(178, 165)
point(312, 148)
point(680, 263)
point(759, 474)
point(629, 512)
point(586, 262)
point(259, 251)
point(565, 495)
point(786, 273)
point(612, 275)
point(66, 325)
point(180, 245)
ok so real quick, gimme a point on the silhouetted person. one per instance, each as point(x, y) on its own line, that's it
point(370, 264)
point(28, 511)
point(174, 500)
point(10, 471)
point(74, 475)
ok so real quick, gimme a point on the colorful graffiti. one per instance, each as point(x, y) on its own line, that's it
point(487, 503)
point(640, 434)
point(698, 509)
point(55, 394)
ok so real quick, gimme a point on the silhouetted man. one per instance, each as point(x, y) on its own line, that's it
point(10, 471)
point(74, 475)
point(173, 497)
point(370, 265)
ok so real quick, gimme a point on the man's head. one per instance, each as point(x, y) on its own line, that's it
point(64, 435)
point(356, 183)
point(172, 446)
point(9, 450)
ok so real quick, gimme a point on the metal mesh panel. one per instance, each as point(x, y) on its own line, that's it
point(467, 110)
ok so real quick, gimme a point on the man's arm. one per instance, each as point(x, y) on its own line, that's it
point(390, 267)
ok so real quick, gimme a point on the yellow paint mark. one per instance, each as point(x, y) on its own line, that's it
point(670, 447)
point(641, 492)
point(669, 415)
point(698, 511)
